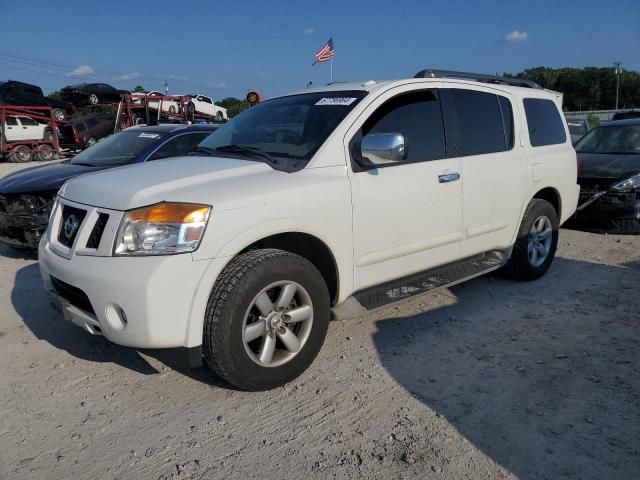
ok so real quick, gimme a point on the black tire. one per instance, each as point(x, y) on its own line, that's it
point(59, 114)
point(232, 296)
point(90, 142)
point(520, 266)
point(93, 99)
point(20, 154)
point(48, 135)
point(219, 117)
point(45, 153)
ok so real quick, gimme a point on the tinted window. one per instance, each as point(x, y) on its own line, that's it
point(80, 127)
point(418, 117)
point(12, 121)
point(544, 121)
point(33, 90)
point(118, 149)
point(507, 118)
point(179, 145)
point(480, 125)
point(621, 139)
point(28, 121)
point(293, 127)
point(91, 122)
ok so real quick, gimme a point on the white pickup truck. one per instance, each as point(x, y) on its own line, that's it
point(18, 127)
point(331, 201)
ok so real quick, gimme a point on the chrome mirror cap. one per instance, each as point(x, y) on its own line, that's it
point(383, 148)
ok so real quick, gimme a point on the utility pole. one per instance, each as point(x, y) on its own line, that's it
point(618, 71)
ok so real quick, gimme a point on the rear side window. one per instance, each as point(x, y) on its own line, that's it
point(485, 122)
point(80, 127)
point(12, 121)
point(544, 121)
point(418, 117)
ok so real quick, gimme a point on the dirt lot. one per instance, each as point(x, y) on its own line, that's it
point(491, 379)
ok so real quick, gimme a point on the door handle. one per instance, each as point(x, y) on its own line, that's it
point(449, 177)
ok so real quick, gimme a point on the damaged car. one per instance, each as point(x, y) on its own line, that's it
point(609, 178)
point(27, 196)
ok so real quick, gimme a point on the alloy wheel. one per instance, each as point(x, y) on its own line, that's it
point(540, 238)
point(277, 323)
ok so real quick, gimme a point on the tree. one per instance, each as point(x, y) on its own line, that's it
point(56, 95)
point(233, 105)
point(589, 88)
point(139, 89)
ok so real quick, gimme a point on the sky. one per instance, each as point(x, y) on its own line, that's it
point(228, 48)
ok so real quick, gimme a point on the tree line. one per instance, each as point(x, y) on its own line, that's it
point(590, 88)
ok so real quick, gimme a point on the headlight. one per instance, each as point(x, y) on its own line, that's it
point(162, 229)
point(628, 185)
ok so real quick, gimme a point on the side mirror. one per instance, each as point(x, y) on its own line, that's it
point(383, 148)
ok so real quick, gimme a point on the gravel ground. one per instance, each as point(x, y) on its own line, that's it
point(490, 379)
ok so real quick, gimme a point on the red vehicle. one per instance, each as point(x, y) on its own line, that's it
point(20, 150)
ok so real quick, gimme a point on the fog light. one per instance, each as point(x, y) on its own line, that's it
point(116, 317)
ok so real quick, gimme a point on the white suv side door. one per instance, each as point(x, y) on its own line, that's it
point(407, 217)
point(493, 163)
point(30, 129)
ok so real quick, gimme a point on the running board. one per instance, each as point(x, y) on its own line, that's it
point(434, 279)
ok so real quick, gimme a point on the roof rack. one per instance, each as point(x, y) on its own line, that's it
point(478, 77)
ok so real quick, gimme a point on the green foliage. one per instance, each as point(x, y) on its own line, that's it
point(589, 88)
point(233, 105)
point(56, 95)
point(593, 120)
point(138, 89)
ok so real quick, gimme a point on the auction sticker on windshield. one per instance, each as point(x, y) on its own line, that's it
point(336, 101)
point(148, 135)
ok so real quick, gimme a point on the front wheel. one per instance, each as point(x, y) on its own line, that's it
point(59, 114)
point(93, 99)
point(535, 247)
point(267, 318)
point(91, 141)
point(219, 117)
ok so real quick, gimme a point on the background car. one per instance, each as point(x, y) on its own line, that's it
point(609, 178)
point(26, 196)
point(626, 115)
point(205, 105)
point(19, 127)
point(25, 94)
point(84, 131)
point(578, 127)
point(170, 106)
point(91, 94)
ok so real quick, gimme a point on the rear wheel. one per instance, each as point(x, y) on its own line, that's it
point(91, 141)
point(47, 136)
point(219, 117)
point(535, 247)
point(20, 154)
point(45, 153)
point(266, 320)
point(93, 99)
point(59, 114)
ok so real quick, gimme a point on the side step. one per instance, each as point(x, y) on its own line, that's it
point(437, 278)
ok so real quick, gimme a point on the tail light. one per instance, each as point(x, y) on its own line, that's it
point(76, 138)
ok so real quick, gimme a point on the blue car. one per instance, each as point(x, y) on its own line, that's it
point(26, 196)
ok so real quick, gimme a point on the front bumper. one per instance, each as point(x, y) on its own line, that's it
point(613, 213)
point(161, 297)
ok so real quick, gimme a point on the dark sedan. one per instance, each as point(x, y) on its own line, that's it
point(91, 94)
point(26, 196)
point(609, 178)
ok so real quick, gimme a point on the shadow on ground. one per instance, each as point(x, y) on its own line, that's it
point(30, 302)
point(542, 376)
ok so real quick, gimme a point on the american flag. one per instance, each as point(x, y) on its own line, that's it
point(325, 53)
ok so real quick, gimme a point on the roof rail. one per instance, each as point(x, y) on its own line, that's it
point(478, 77)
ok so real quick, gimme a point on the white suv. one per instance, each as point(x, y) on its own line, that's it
point(205, 105)
point(330, 201)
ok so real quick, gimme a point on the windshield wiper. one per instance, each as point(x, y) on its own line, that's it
point(199, 149)
point(256, 152)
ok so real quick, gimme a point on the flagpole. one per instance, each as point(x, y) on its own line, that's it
point(331, 62)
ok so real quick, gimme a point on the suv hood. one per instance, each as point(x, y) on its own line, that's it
point(42, 177)
point(181, 179)
point(608, 165)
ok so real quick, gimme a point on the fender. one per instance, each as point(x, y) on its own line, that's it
point(243, 240)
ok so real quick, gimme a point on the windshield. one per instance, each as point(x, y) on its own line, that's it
point(613, 139)
point(118, 149)
point(292, 127)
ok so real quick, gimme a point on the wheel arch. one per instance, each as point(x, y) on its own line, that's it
point(551, 195)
